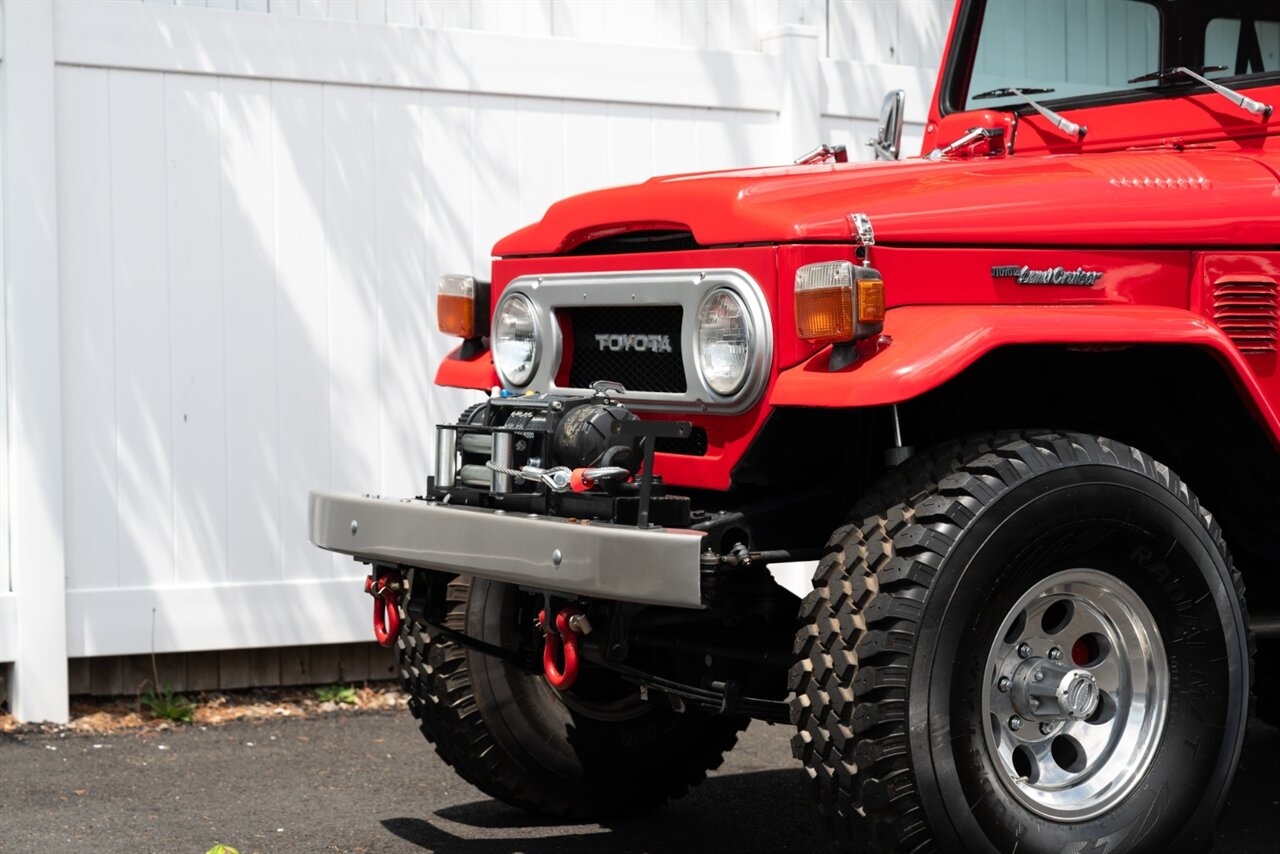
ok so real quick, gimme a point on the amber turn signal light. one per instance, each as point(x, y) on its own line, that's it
point(871, 300)
point(836, 301)
point(462, 306)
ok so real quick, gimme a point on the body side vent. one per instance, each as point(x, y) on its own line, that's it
point(1246, 310)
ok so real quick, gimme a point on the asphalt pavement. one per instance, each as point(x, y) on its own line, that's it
point(368, 782)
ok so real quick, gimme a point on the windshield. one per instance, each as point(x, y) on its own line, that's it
point(1085, 48)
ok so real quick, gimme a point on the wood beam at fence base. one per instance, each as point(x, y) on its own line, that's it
point(233, 669)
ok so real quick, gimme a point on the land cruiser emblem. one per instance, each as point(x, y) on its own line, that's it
point(1051, 276)
point(635, 343)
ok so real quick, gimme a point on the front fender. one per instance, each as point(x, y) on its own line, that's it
point(932, 344)
point(461, 370)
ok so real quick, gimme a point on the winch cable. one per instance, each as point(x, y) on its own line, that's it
point(510, 656)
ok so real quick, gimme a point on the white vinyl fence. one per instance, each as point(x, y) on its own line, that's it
point(222, 232)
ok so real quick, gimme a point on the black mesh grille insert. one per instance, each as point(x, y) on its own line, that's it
point(636, 346)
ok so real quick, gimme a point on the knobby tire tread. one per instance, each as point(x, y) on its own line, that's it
point(859, 624)
point(435, 672)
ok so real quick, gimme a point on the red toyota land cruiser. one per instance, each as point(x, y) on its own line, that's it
point(1023, 387)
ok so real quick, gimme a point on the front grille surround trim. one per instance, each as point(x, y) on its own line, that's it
point(685, 288)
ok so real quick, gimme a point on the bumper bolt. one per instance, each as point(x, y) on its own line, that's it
point(1024, 650)
point(1015, 723)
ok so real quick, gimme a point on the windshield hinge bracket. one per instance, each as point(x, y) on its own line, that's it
point(864, 236)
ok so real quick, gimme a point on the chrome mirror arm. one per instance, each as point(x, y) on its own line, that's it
point(822, 154)
point(887, 143)
point(971, 136)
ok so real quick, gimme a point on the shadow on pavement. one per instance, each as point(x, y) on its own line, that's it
point(495, 815)
point(738, 812)
point(769, 811)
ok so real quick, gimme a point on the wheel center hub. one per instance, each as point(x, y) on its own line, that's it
point(1078, 695)
point(1049, 690)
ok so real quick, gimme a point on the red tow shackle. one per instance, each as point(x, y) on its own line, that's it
point(565, 637)
point(386, 607)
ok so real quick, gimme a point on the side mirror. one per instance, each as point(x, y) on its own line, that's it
point(888, 142)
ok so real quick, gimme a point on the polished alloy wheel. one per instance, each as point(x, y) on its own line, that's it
point(1041, 648)
point(1077, 695)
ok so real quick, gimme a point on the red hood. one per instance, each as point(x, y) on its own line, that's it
point(1190, 198)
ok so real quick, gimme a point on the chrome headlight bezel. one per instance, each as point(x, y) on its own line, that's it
point(509, 378)
point(700, 345)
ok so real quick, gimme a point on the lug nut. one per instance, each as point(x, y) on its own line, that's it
point(1004, 684)
point(1024, 650)
point(1055, 654)
point(1046, 728)
point(1015, 723)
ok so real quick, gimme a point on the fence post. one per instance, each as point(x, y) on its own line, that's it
point(799, 119)
point(32, 335)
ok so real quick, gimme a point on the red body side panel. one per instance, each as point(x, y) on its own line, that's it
point(938, 276)
point(932, 344)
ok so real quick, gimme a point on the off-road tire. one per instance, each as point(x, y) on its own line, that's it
point(885, 680)
point(508, 733)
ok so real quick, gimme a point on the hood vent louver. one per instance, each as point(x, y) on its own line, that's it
point(1248, 312)
point(630, 242)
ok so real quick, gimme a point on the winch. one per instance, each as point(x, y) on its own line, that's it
point(560, 454)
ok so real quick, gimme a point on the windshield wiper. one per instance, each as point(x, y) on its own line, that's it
point(1067, 126)
point(1245, 103)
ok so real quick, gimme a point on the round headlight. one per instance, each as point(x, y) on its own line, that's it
point(515, 340)
point(724, 341)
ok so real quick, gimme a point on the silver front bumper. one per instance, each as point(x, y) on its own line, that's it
point(657, 566)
